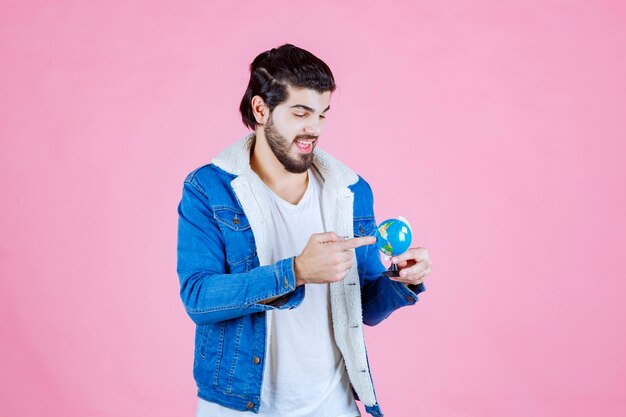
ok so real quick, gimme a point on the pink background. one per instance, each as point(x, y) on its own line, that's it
point(500, 126)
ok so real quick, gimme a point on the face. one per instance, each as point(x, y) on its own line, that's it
point(293, 128)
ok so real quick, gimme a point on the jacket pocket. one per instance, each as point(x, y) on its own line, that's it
point(363, 226)
point(238, 237)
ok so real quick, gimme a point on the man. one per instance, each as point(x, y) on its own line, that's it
point(276, 262)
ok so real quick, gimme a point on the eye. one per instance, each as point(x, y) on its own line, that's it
point(322, 116)
point(299, 115)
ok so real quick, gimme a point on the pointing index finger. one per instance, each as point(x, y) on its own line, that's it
point(357, 242)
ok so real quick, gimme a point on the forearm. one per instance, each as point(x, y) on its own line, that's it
point(210, 297)
point(381, 296)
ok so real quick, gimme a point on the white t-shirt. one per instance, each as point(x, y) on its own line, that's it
point(304, 374)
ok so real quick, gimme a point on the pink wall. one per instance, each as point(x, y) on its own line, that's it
point(503, 123)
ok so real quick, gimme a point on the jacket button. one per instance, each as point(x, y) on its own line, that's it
point(250, 405)
point(361, 229)
point(236, 220)
point(286, 282)
point(410, 299)
point(257, 360)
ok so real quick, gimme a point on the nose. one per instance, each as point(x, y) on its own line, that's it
point(313, 128)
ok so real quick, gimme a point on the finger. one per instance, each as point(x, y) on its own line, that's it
point(346, 256)
point(413, 279)
point(340, 258)
point(418, 254)
point(404, 264)
point(420, 275)
point(413, 270)
point(357, 242)
point(327, 237)
point(347, 265)
point(341, 274)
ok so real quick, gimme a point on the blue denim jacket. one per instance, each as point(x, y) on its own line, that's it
point(224, 271)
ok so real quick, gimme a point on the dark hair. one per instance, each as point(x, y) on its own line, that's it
point(271, 72)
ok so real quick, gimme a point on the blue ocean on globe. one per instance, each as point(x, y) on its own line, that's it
point(393, 237)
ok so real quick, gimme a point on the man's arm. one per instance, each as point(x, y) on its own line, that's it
point(207, 291)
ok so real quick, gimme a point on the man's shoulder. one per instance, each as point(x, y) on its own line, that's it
point(361, 186)
point(207, 176)
point(226, 165)
point(207, 171)
point(363, 199)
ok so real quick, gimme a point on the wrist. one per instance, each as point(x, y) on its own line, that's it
point(297, 271)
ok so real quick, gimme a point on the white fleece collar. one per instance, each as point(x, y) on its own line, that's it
point(235, 159)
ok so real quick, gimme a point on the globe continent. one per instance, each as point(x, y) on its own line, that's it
point(393, 237)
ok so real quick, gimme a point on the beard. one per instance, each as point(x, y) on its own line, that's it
point(281, 147)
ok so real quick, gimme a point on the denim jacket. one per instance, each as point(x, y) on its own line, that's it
point(224, 272)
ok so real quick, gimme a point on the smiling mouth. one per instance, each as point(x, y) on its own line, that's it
point(305, 146)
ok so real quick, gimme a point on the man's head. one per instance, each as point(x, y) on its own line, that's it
point(286, 101)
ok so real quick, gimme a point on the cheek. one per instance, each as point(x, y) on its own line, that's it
point(289, 129)
point(290, 135)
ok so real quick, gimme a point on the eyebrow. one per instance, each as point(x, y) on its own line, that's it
point(307, 108)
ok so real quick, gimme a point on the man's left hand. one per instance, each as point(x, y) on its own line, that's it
point(414, 265)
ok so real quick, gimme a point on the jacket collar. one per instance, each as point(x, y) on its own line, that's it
point(235, 159)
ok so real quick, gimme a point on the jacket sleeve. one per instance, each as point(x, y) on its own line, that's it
point(380, 296)
point(209, 294)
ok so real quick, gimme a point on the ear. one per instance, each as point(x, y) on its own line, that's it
point(260, 110)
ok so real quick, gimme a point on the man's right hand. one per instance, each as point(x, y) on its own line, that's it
point(327, 257)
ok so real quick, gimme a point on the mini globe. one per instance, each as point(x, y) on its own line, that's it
point(393, 237)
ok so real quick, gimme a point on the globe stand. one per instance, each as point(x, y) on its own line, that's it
point(393, 271)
